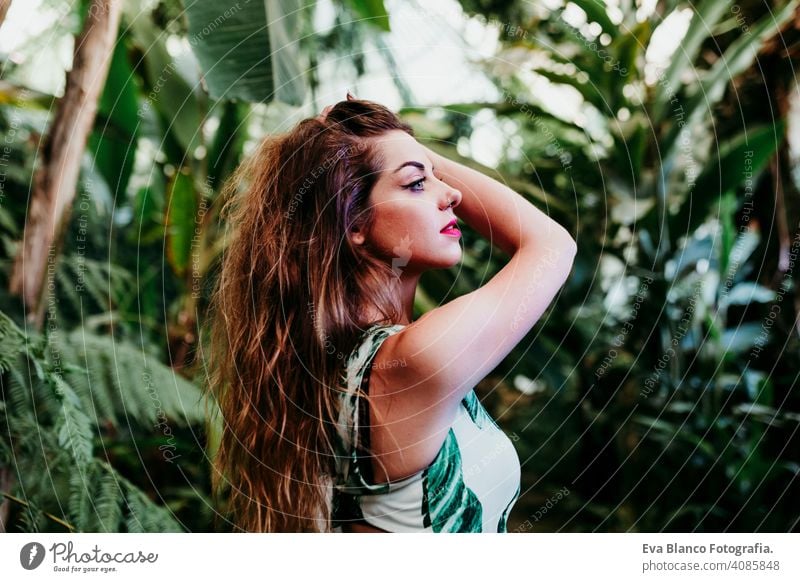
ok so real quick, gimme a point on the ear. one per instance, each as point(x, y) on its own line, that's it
point(357, 236)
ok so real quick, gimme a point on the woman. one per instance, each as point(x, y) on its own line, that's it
point(340, 413)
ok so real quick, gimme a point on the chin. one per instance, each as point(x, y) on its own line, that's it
point(440, 262)
point(450, 260)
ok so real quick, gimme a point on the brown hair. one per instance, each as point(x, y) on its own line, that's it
point(288, 308)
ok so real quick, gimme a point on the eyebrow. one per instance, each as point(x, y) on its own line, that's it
point(419, 165)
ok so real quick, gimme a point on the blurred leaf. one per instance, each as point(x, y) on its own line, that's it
point(675, 432)
point(169, 93)
point(631, 46)
point(148, 211)
point(249, 51)
point(180, 222)
point(741, 54)
point(752, 149)
point(705, 15)
point(588, 90)
point(596, 12)
point(695, 250)
point(744, 245)
point(372, 11)
point(746, 293)
point(226, 148)
point(113, 141)
point(741, 338)
point(738, 57)
point(759, 387)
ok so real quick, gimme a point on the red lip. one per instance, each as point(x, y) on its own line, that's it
point(450, 225)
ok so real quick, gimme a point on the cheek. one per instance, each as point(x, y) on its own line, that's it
point(398, 223)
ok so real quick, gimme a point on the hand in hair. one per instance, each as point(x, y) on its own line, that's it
point(328, 108)
point(324, 113)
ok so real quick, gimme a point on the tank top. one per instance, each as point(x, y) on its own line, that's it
point(470, 486)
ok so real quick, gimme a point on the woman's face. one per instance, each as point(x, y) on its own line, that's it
point(411, 207)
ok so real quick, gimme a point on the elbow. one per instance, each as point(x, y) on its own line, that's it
point(566, 249)
point(566, 245)
point(555, 239)
point(556, 252)
point(570, 250)
point(571, 247)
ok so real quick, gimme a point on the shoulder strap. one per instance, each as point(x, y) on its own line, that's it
point(363, 428)
point(376, 334)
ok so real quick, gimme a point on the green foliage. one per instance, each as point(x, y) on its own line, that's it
point(372, 11)
point(249, 51)
point(649, 406)
point(51, 428)
point(658, 386)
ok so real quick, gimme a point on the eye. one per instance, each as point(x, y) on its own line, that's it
point(415, 186)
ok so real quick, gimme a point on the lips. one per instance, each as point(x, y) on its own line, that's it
point(451, 229)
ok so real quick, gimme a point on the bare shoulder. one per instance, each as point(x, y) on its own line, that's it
point(421, 373)
point(451, 348)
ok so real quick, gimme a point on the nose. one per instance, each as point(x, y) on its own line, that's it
point(450, 197)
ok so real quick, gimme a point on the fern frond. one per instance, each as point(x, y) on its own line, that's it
point(106, 284)
point(31, 518)
point(96, 497)
point(67, 287)
point(12, 342)
point(80, 505)
point(16, 391)
point(146, 516)
point(73, 426)
point(109, 502)
point(121, 381)
point(55, 387)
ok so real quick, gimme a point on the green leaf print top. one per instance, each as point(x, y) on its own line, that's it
point(470, 486)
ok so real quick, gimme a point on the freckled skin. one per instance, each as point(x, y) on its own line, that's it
point(409, 214)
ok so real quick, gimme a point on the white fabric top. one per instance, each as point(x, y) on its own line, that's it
point(470, 486)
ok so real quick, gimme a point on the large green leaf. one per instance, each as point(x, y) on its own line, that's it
point(249, 50)
point(113, 141)
point(168, 93)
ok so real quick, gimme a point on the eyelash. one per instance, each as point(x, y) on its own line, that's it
point(412, 184)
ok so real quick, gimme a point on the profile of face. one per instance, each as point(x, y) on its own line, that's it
point(411, 207)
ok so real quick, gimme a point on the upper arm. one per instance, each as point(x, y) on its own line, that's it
point(451, 348)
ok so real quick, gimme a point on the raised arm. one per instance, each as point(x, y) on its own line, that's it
point(451, 348)
point(497, 212)
point(447, 351)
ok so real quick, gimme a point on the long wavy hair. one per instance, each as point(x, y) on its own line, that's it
point(289, 305)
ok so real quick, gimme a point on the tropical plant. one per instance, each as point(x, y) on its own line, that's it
point(647, 393)
point(673, 420)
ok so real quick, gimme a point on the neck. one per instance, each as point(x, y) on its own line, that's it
point(405, 287)
point(408, 289)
